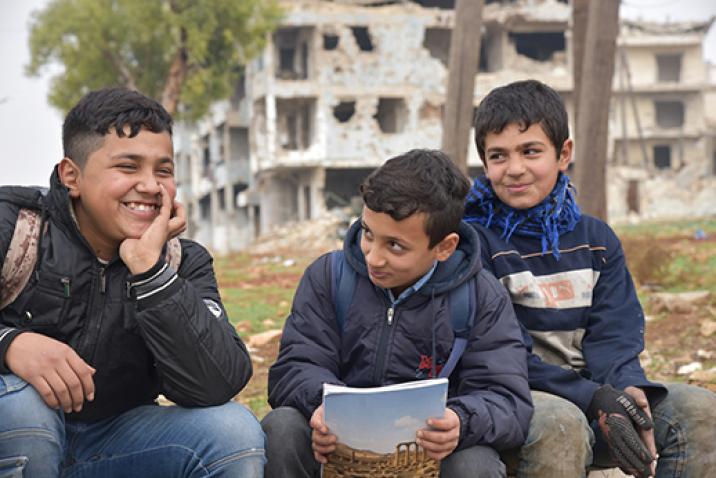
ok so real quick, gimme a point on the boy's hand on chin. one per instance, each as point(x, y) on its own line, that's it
point(142, 253)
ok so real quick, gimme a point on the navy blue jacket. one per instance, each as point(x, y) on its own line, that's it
point(488, 389)
point(580, 315)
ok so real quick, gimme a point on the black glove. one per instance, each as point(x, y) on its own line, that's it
point(619, 416)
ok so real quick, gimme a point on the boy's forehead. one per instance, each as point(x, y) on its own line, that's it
point(517, 131)
point(411, 229)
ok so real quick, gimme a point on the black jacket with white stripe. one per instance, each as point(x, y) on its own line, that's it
point(163, 331)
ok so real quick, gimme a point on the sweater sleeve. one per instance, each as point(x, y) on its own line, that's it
point(615, 331)
point(8, 218)
point(310, 345)
point(199, 357)
point(493, 398)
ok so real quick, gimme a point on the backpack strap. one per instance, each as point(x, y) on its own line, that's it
point(462, 317)
point(344, 284)
point(21, 256)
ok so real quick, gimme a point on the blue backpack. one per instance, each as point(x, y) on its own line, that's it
point(461, 300)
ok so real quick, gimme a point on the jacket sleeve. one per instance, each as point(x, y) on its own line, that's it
point(8, 218)
point(493, 398)
point(615, 331)
point(199, 357)
point(309, 352)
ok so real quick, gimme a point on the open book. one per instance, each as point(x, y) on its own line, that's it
point(376, 428)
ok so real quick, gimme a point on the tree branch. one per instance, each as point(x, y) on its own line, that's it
point(176, 76)
point(122, 69)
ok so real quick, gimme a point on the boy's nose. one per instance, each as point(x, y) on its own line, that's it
point(373, 258)
point(148, 184)
point(515, 167)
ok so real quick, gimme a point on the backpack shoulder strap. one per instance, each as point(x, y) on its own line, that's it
point(21, 255)
point(462, 317)
point(344, 281)
point(173, 255)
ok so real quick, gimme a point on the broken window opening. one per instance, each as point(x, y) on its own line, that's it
point(205, 207)
point(392, 115)
point(330, 42)
point(362, 37)
point(295, 123)
point(292, 50)
point(341, 186)
point(206, 156)
point(662, 156)
point(669, 68)
point(437, 42)
point(539, 46)
point(633, 196)
point(669, 114)
point(344, 111)
point(221, 193)
point(441, 4)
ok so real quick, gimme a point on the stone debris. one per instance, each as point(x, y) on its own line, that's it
point(315, 236)
point(704, 376)
point(708, 328)
point(689, 368)
point(264, 338)
point(679, 303)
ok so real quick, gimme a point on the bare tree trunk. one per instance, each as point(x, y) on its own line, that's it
point(175, 78)
point(462, 68)
point(594, 100)
point(579, 35)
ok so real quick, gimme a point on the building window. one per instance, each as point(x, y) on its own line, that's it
point(362, 37)
point(330, 41)
point(344, 111)
point(292, 50)
point(539, 46)
point(669, 114)
point(392, 115)
point(205, 207)
point(669, 68)
point(662, 156)
point(437, 42)
point(295, 122)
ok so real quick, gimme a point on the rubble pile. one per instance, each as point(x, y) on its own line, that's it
point(313, 237)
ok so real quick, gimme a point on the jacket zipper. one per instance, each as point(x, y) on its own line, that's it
point(94, 316)
point(383, 345)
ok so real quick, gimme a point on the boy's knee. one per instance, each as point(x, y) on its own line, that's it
point(234, 425)
point(558, 422)
point(21, 407)
point(286, 422)
point(473, 462)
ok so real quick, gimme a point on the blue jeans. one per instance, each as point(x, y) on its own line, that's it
point(147, 441)
point(562, 444)
point(290, 455)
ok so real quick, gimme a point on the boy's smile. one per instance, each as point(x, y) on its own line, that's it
point(397, 253)
point(116, 195)
point(523, 165)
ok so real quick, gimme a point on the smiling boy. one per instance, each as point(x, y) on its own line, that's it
point(575, 299)
point(408, 251)
point(105, 323)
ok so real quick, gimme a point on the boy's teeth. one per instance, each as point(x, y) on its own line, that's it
point(141, 207)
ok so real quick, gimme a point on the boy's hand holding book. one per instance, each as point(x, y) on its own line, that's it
point(322, 441)
point(442, 437)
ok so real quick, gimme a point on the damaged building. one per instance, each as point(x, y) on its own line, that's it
point(343, 85)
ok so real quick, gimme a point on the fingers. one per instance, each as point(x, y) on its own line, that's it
point(84, 373)
point(626, 445)
point(177, 223)
point(166, 209)
point(323, 444)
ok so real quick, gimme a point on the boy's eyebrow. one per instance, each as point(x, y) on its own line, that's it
point(519, 146)
point(138, 157)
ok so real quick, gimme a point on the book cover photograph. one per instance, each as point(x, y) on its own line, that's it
point(375, 429)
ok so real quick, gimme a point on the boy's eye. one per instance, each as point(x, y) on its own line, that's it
point(495, 156)
point(367, 234)
point(127, 166)
point(396, 247)
point(166, 172)
point(532, 151)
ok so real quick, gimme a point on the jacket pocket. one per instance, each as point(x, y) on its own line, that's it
point(48, 303)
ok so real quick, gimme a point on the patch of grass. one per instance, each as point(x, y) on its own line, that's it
point(656, 229)
point(256, 306)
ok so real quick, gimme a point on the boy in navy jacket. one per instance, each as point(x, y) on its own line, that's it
point(575, 299)
point(408, 250)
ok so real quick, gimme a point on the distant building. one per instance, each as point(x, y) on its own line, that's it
point(345, 84)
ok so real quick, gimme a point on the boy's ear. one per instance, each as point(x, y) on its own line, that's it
point(70, 176)
point(447, 246)
point(565, 156)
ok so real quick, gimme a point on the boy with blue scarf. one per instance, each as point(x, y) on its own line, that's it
point(575, 299)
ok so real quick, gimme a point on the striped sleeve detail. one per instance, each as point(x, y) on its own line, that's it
point(154, 285)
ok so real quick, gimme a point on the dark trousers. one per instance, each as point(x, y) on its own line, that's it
point(289, 453)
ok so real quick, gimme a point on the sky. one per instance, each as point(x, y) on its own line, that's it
point(31, 130)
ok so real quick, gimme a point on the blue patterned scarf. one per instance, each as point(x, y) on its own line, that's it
point(557, 214)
